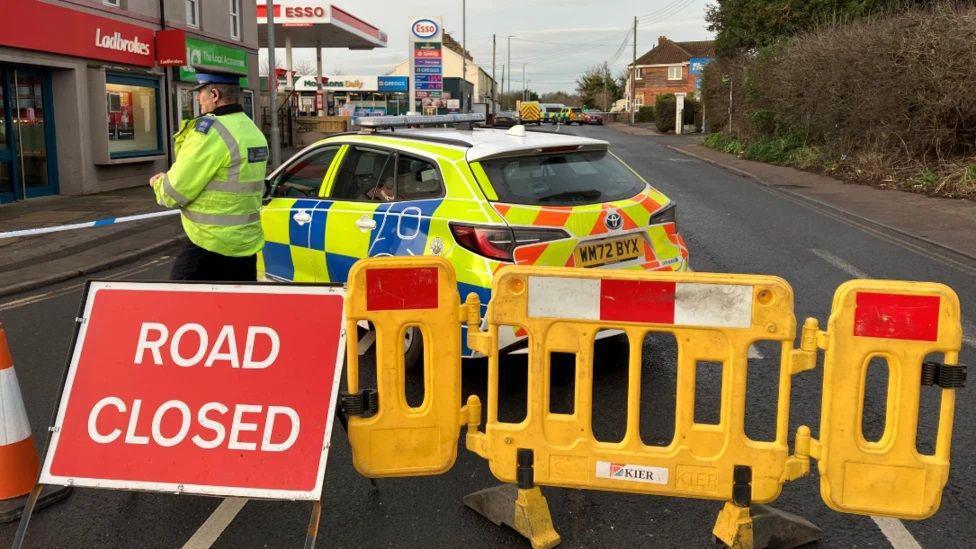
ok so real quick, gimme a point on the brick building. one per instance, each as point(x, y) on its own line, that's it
point(667, 69)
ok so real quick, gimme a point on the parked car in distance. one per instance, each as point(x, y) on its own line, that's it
point(594, 117)
point(505, 119)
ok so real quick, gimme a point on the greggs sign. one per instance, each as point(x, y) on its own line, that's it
point(46, 27)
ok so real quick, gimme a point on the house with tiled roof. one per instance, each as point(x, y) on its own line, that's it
point(667, 68)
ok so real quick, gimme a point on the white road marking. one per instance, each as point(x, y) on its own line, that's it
point(840, 264)
point(366, 342)
point(754, 352)
point(210, 530)
point(897, 534)
point(969, 334)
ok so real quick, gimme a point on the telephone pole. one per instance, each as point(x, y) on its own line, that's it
point(633, 78)
point(494, 82)
point(509, 90)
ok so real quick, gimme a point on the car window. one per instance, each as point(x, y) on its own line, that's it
point(365, 175)
point(562, 179)
point(303, 177)
point(417, 179)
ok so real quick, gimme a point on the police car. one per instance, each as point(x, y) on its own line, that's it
point(481, 198)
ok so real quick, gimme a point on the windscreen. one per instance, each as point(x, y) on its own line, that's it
point(562, 179)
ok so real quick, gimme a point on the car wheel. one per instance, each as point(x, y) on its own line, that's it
point(413, 347)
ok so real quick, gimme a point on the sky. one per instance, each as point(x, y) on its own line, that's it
point(556, 39)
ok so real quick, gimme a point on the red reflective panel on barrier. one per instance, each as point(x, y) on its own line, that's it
point(637, 301)
point(399, 289)
point(894, 316)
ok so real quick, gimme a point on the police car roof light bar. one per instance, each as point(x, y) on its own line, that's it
point(372, 123)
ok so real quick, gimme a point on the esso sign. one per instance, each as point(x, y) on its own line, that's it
point(304, 12)
point(425, 28)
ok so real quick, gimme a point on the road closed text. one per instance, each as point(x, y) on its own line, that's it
point(235, 426)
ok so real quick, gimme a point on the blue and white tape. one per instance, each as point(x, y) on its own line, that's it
point(97, 223)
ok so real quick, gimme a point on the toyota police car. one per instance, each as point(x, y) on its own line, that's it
point(481, 198)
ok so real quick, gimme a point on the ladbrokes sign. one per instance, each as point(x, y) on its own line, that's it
point(47, 27)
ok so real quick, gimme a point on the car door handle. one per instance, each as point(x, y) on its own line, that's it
point(366, 223)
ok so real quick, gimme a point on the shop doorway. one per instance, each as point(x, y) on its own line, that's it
point(28, 163)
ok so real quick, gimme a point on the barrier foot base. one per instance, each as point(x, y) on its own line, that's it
point(524, 510)
point(763, 527)
point(12, 509)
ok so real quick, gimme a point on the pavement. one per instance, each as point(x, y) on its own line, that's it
point(731, 223)
point(31, 262)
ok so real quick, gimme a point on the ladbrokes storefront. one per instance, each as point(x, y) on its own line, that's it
point(81, 101)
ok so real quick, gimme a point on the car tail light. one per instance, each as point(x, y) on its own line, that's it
point(668, 215)
point(498, 243)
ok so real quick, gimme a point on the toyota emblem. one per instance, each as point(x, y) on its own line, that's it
point(614, 221)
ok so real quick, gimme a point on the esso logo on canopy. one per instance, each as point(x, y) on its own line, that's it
point(425, 28)
point(306, 11)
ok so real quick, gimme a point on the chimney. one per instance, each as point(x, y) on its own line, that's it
point(661, 40)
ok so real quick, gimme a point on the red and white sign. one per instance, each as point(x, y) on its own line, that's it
point(225, 390)
point(681, 303)
point(48, 27)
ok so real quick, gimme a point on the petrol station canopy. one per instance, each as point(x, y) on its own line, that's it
point(310, 24)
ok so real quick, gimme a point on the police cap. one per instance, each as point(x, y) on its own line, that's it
point(209, 75)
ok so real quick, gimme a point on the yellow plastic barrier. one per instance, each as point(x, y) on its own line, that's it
point(714, 318)
point(903, 323)
point(396, 439)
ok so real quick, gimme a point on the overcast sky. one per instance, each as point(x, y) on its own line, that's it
point(557, 39)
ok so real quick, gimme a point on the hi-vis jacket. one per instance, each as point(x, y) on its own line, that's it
point(217, 182)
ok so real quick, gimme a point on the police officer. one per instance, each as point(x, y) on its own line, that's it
point(217, 182)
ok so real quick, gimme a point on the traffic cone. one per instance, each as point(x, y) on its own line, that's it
point(19, 465)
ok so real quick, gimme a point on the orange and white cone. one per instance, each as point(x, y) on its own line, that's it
point(18, 455)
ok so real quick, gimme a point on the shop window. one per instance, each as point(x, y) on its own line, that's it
point(133, 116)
point(188, 105)
point(247, 102)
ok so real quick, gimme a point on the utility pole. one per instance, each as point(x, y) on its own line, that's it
point(494, 82)
point(503, 88)
point(509, 90)
point(464, 52)
point(523, 83)
point(273, 91)
point(633, 78)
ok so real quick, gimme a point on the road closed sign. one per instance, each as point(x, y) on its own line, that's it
point(225, 390)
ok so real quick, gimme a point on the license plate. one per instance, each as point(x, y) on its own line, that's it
point(594, 253)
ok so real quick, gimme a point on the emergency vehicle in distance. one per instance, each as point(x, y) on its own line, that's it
point(481, 198)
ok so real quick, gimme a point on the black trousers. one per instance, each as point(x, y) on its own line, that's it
point(195, 263)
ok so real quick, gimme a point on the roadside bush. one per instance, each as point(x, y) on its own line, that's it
point(664, 107)
point(645, 114)
point(883, 100)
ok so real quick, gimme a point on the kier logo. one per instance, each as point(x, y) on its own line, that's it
point(631, 473)
point(117, 43)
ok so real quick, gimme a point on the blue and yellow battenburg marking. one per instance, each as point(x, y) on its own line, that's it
point(296, 248)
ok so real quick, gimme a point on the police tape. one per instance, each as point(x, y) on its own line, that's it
point(87, 224)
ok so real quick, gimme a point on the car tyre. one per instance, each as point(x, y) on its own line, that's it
point(413, 347)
